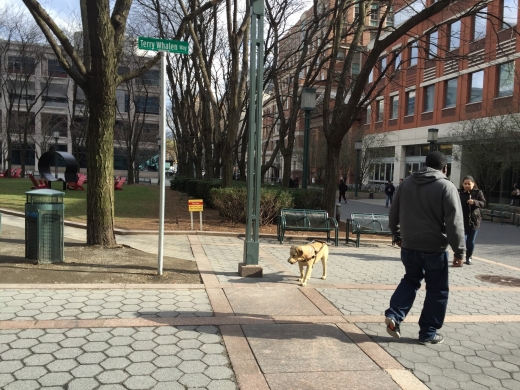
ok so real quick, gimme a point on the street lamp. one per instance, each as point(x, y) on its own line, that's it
point(56, 135)
point(308, 104)
point(433, 136)
point(358, 145)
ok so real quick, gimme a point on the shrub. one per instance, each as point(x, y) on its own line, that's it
point(271, 202)
point(179, 183)
point(204, 190)
point(310, 198)
point(231, 203)
point(191, 187)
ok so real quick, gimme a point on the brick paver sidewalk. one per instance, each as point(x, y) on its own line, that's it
point(264, 333)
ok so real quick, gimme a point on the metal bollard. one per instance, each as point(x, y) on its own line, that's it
point(338, 211)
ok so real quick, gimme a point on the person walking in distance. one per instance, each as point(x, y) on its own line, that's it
point(342, 187)
point(472, 200)
point(425, 217)
point(389, 191)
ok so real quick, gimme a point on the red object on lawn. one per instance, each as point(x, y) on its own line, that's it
point(15, 174)
point(37, 184)
point(78, 185)
point(119, 183)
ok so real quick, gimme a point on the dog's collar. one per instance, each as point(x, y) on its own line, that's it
point(315, 252)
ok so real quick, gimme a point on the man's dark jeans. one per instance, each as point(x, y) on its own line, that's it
point(433, 268)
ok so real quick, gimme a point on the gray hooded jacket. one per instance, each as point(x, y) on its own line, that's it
point(427, 212)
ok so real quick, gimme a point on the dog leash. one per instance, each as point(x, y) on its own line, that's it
point(316, 251)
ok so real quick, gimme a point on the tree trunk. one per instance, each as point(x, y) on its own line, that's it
point(23, 153)
point(287, 162)
point(101, 94)
point(100, 164)
point(227, 164)
point(331, 173)
point(130, 166)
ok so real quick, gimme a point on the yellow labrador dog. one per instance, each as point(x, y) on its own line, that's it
point(308, 255)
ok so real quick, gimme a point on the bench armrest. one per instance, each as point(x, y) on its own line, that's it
point(355, 225)
point(333, 220)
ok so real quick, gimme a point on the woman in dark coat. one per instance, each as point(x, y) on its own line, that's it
point(472, 200)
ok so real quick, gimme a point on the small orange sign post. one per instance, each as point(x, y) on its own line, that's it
point(195, 205)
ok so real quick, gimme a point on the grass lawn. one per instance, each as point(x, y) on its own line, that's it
point(134, 202)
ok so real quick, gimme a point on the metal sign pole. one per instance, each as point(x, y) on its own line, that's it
point(162, 161)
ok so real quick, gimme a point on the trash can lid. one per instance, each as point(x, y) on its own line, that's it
point(45, 192)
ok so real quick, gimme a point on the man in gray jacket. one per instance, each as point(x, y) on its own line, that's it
point(425, 217)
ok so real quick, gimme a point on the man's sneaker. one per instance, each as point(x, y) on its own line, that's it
point(392, 328)
point(469, 261)
point(437, 339)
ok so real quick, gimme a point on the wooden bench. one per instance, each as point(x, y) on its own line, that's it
point(301, 220)
point(505, 213)
point(360, 223)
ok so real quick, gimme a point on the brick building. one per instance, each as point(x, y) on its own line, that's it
point(445, 73)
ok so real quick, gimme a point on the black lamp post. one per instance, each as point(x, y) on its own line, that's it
point(56, 135)
point(433, 136)
point(308, 104)
point(358, 145)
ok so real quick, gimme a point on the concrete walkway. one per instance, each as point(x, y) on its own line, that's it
point(264, 333)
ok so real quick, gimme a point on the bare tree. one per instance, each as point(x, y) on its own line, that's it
point(488, 147)
point(24, 91)
point(135, 135)
point(97, 75)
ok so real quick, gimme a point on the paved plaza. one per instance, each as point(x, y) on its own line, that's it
point(269, 333)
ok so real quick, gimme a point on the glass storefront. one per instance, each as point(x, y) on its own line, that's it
point(381, 172)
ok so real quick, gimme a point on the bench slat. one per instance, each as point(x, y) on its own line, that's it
point(360, 223)
point(306, 220)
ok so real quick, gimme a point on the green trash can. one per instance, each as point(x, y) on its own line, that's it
point(44, 220)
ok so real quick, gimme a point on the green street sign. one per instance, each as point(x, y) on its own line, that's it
point(156, 44)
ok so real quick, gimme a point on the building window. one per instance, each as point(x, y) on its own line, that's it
point(371, 76)
point(54, 69)
point(509, 13)
point(397, 62)
point(506, 77)
point(450, 97)
point(390, 17)
point(369, 114)
point(147, 104)
point(380, 110)
point(383, 64)
point(356, 10)
point(374, 15)
point(394, 104)
point(410, 103)
point(476, 85)
point(356, 63)
point(479, 25)
point(414, 54)
point(454, 35)
point(429, 92)
point(21, 65)
point(380, 172)
point(433, 44)
point(152, 77)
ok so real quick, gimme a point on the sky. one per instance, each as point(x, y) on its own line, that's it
point(60, 10)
